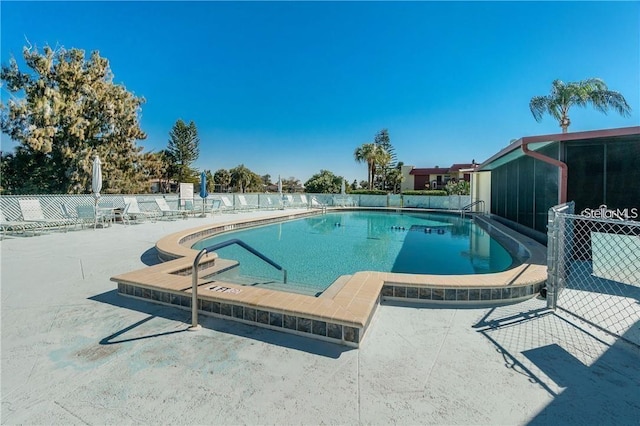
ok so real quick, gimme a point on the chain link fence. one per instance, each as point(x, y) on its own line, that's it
point(594, 269)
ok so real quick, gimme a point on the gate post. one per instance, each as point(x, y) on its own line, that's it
point(552, 259)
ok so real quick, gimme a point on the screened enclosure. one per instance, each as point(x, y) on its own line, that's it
point(603, 174)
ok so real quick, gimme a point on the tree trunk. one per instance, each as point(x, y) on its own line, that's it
point(564, 123)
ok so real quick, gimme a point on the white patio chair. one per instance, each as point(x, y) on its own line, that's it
point(107, 211)
point(87, 215)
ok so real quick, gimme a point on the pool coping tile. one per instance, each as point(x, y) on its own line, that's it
point(352, 302)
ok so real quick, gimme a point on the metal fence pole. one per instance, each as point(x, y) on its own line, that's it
point(552, 244)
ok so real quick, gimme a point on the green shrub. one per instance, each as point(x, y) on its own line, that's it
point(368, 192)
point(432, 192)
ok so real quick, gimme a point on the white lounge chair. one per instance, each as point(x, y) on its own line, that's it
point(216, 206)
point(288, 200)
point(226, 203)
point(133, 213)
point(244, 205)
point(66, 214)
point(273, 205)
point(17, 226)
point(191, 208)
point(167, 212)
point(243, 202)
point(31, 211)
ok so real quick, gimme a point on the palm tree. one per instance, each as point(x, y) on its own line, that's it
point(223, 178)
point(240, 176)
point(563, 96)
point(372, 154)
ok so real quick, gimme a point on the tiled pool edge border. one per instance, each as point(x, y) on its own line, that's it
point(319, 326)
point(274, 320)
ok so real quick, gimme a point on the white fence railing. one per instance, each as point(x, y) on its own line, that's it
point(236, 202)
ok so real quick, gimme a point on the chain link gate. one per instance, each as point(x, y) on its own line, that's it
point(594, 269)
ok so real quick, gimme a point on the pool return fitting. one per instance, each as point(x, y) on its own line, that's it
point(194, 274)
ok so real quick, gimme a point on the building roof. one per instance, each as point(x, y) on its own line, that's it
point(441, 170)
point(457, 167)
point(534, 143)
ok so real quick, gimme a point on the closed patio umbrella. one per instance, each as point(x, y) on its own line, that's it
point(96, 178)
point(96, 184)
point(203, 191)
point(280, 192)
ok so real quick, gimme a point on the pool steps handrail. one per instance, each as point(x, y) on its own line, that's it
point(314, 203)
point(196, 262)
point(469, 207)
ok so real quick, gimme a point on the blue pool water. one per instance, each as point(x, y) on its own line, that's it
point(316, 250)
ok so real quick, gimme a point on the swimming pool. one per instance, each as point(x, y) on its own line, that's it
point(317, 250)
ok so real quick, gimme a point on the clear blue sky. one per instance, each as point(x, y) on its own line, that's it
point(290, 88)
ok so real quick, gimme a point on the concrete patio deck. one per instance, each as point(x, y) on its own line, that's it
point(75, 352)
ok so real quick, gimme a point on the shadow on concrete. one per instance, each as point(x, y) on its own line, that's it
point(150, 257)
point(604, 392)
point(227, 326)
point(591, 381)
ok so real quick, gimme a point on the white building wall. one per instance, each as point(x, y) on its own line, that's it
point(407, 179)
point(481, 189)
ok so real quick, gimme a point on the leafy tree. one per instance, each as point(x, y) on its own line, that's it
point(184, 147)
point(211, 183)
point(256, 184)
point(394, 179)
point(222, 177)
point(563, 96)
point(291, 184)
point(324, 182)
point(266, 180)
point(387, 164)
point(371, 154)
point(24, 172)
point(63, 111)
point(363, 184)
point(461, 187)
point(383, 161)
point(240, 177)
point(153, 165)
point(354, 185)
point(169, 169)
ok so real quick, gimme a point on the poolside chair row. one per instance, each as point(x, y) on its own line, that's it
point(274, 201)
point(33, 220)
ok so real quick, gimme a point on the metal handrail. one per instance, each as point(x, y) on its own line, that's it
point(468, 207)
point(319, 205)
point(196, 263)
